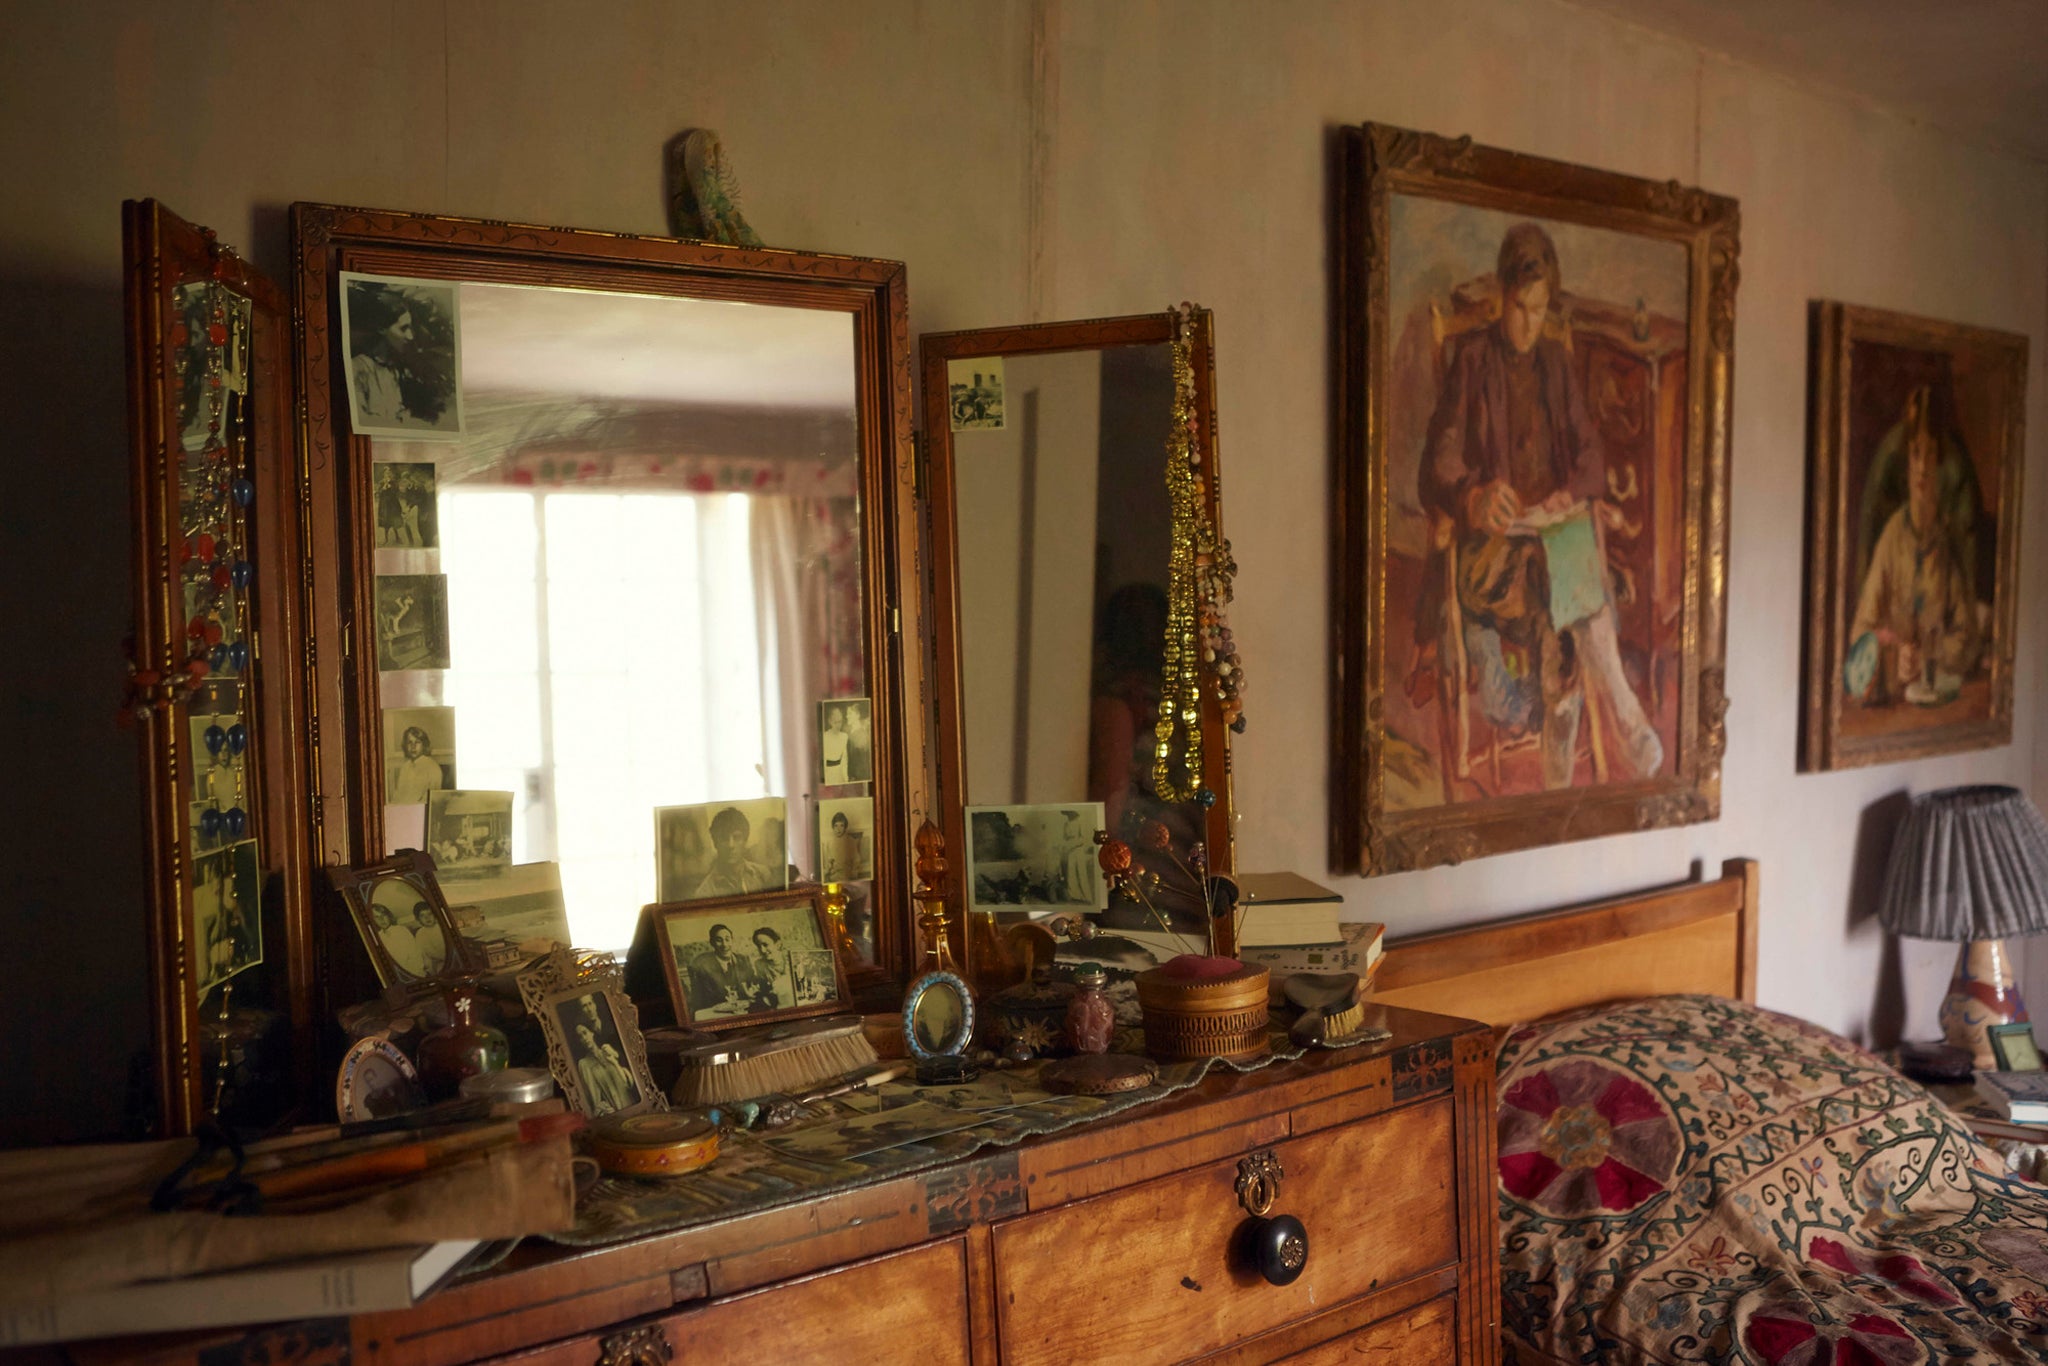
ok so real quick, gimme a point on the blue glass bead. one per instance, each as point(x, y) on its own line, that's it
point(214, 737)
point(209, 823)
point(218, 657)
point(238, 655)
point(1205, 799)
point(236, 821)
point(244, 492)
point(238, 738)
point(242, 573)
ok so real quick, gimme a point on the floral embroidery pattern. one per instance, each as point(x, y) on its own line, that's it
point(1581, 1137)
point(1693, 1179)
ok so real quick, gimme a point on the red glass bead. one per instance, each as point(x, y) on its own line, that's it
point(222, 577)
point(196, 628)
point(180, 334)
point(203, 547)
point(217, 334)
point(213, 633)
point(196, 669)
point(147, 678)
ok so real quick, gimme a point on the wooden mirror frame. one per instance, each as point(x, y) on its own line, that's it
point(341, 668)
point(935, 350)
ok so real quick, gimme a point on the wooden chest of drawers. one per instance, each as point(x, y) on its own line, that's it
point(1114, 1242)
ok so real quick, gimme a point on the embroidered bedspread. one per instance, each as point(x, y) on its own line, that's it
point(1690, 1179)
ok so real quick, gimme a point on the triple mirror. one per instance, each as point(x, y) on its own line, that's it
point(586, 574)
point(1078, 576)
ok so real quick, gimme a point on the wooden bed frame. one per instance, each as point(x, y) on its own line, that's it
point(1696, 936)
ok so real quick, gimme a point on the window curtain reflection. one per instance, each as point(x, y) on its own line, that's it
point(806, 563)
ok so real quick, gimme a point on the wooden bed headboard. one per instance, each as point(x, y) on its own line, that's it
point(1696, 936)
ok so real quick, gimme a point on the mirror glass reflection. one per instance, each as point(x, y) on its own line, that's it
point(1065, 529)
point(629, 585)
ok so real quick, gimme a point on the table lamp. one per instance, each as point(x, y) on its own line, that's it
point(1970, 865)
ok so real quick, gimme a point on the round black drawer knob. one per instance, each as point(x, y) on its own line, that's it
point(1280, 1249)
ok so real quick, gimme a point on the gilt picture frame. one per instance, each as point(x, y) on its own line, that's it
point(1917, 443)
point(1533, 373)
point(596, 1052)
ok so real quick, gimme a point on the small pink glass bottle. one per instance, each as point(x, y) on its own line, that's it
point(1091, 1019)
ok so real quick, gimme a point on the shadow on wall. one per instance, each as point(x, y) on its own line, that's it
point(1874, 835)
point(76, 1008)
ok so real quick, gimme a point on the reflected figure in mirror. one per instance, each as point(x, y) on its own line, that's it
point(1130, 640)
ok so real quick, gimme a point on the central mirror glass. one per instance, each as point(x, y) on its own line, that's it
point(633, 583)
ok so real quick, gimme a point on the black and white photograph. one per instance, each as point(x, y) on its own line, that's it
point(469, 833)
point(207, 355)
point(846, 839)
point(408, 513)
point(413, 936)
point(846, 741)
point(404, 344)
point(412, 621)
point(419, 753)
point(749, 959)
point(512, 917)
point(974, 388)
point(227, 918)
point(1038, 858)
point(720, 849)
point(598, 1053)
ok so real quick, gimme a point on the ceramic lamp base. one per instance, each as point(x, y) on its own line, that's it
point(1983, 992)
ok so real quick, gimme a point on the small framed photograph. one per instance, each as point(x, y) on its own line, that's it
point(227, 913)
point(513, 917)
point(403, 920)
point(721, 849)
point(408, 513)
point(403, 338)
point(2013, 1046)
point(751, 959)
point(412, 621)
point(846, 839)
point(846, 741)
point(1035, 858)
point(974, 388)
point(595, 1048)
point(470, 833)
point(419, 753)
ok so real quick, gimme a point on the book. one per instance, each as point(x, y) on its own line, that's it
point(1286, 909)
point(359, 1283)
point(2019, 1096)
point(1360, 946)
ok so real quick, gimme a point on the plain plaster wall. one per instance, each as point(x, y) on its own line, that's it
point(1029, 160)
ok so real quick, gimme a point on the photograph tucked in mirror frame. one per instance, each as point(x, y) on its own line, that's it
point(595, 1049)
point(1132, 582)
point(355, 540)
point(1534, 377)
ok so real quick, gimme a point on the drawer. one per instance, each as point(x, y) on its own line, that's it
point(1426, 1335)
point(906, 1307)
point(1145, 1274)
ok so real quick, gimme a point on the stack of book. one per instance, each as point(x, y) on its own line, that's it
point(1289, 924)
point(2021, 1097)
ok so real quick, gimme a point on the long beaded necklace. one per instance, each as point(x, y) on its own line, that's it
point(1200, 570)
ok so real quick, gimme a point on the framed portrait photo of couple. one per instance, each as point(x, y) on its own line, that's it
point(1534, 373)
point(750, 959)
point(1912, 536)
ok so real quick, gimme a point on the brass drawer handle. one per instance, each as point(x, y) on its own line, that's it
point(648, 1346)
point(1278, 1245)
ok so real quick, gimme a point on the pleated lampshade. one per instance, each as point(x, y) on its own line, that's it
point(1968, 863)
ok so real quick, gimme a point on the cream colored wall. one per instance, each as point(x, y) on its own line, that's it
point(1029, 161)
